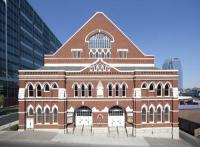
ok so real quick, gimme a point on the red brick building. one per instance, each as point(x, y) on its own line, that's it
point(100, 78)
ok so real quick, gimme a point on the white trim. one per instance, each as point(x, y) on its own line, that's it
point(122, 50)
point(76, 49)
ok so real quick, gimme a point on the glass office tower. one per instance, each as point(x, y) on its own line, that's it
point(175, 63)
point(24, 39)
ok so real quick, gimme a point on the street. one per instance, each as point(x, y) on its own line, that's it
point(8, 118)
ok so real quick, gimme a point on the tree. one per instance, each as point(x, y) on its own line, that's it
point(2, 100)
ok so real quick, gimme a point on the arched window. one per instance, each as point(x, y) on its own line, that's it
point(116, 90)
point(159, 90)
point(144, 115)
point(82, 90)
point(102, 55)
point(30, 111)
point(99, 40)
point(144, 86)
point(47, 115)
point(91, 54)
point(123, 90)
point(46, 88)
point(159, 114)
point(54, 86)
point(167, 90)
point(151, 115)
point(39, 115)
point(30, 90)
point(55, 115)
point(97, 54)
point(38, 91)
point(110, 90)
point(108, 55)
point(75, 90)
point(166, 114)
point(89, 90)
point(151, 87)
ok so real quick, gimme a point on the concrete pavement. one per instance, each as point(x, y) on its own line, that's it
point(58, 138)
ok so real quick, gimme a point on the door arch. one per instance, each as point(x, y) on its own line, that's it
point(116, 117)
point(83, 116)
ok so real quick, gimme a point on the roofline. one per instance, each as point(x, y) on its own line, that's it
point(111, 23)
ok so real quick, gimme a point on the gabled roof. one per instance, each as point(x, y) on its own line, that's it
point(103, 18)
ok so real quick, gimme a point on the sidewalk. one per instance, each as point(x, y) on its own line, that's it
point(56, 138)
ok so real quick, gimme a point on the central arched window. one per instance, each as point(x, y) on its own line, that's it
point(151, 115)
point(55, 115)
point(159, 114)
point(166, 114)
point(167, 90)
point(159, 90)
point(99, 40)
point(123, 90)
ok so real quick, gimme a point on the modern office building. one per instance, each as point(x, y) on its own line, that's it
point(175, 63)
point(24, 39)
point(99, 79)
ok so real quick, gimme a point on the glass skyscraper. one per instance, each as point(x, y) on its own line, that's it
point(24, 39)
point(175, 63)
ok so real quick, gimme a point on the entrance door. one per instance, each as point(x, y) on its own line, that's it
point(83, 116)
point(29, 123)
point(116, 117)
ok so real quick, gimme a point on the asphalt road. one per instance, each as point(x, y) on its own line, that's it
point(8, 118)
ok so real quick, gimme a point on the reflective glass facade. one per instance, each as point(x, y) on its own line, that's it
point(175, 63)
point(24, 39)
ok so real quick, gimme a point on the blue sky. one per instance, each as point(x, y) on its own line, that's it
point(164, 28)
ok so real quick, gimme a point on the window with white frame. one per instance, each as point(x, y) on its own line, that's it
point(46, 88)
point(144, 115)
point(166, 114)
point(30, 111)
point(167, 90)
point(83, 90)
point(151, 87)
point(122, 54)
point(159, 114)
point(76, 54)
point(89, 90)
point(55, 115)
point(38, 91)
point(47, 115)
point(124, 90)
point(30, 90)
point(151, 115)
point(99, 40)
point(110, 90)
point(116, 90)
point(75, 90)
point(39, 115)
point(159, 90)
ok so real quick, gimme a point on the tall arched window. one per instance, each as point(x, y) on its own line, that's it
point(30, 111)
point(151, 115)
point(82, 90)
point(75, 90)
point(124, 90)
point(39, 115)
point(38, 90)
point(46, 87)
point(144, 115)
point(144, 85)
point(110, 90)
point(47, 115)
point(108, 55)
point(159, 90)
point(30, 90)
point(167, 90)
point(116, 90)
point(166, 114)
point(159, 114)
point(55, 115)
point(54, 85)
point(99, 40)
point(151, 87)
point(89, 90)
